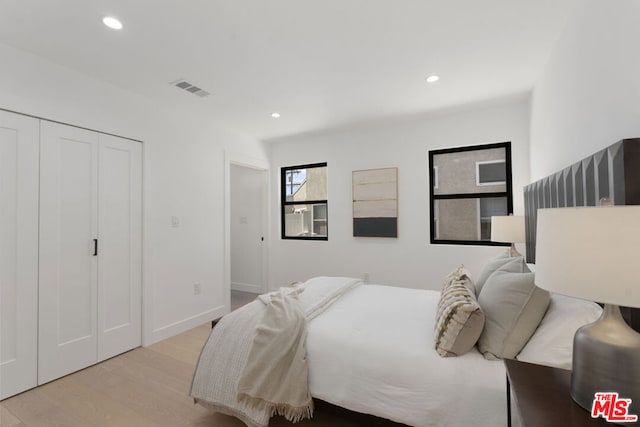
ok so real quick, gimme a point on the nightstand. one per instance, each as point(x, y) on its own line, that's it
point(542, 396)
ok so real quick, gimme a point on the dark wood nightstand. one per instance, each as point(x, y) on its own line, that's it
point(543, 399)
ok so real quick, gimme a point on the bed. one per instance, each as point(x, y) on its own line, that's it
point(371, 350)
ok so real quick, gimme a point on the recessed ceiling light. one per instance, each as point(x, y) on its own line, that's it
point(112, 23)
point(433, 78)
point(275, 115)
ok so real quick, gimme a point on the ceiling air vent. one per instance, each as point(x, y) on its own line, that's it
point(183, 84)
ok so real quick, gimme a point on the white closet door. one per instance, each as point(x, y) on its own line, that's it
point(18, 253)
point(120, 246)
point(68, 267)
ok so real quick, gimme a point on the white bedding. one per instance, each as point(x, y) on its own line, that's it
point(372, 351)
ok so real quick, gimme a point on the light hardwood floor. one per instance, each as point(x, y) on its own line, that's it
point(239, 298)
point(145, 387)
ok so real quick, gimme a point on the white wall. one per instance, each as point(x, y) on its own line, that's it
point(588, 96)
point(183, 177)
point(410, 260)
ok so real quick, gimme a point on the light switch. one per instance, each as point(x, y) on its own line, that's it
point(243, 220)
point(175, 222)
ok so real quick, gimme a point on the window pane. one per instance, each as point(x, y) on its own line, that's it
point(306, 184)
point(492, 206)
point(305, 220)
point(467, 219)
point(494, 172)
point(458, 171)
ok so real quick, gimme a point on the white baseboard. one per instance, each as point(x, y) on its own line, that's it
point(176, 328)
point(246, 287)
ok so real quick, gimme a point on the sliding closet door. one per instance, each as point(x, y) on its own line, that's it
point(120, 246)
point(68, 265)
point(18, 253)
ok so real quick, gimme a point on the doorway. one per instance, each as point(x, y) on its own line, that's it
point(246, 225)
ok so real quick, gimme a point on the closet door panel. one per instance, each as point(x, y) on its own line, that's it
point(68, 266)
point(120, 254)
point(19, 142)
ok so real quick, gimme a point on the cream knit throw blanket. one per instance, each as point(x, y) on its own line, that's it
point(275, 378)
point(254, 362)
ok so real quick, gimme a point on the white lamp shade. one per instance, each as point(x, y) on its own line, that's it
point(508, 229)
point(590, 253)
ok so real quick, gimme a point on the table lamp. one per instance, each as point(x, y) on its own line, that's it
point(508, 229)
point(593, 253)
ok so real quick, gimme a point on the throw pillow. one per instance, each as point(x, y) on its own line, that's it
point(460, 274)
point(513, 307)
point(459, 318)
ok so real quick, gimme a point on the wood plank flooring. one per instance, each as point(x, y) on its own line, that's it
point(145, 387)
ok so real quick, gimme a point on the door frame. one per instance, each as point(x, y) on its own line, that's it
point(231, 158)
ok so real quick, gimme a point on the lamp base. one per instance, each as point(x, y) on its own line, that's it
point(606, 358)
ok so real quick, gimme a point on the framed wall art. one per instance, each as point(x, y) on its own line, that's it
point(375, 202)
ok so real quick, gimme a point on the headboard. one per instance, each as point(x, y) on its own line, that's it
point(613, 173)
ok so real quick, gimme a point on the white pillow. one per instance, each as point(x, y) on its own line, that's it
point(552, 343)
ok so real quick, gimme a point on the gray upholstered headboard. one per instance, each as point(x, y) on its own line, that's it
point(613, 173)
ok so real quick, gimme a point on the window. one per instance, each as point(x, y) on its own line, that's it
point(304, 202)
point(468, 186)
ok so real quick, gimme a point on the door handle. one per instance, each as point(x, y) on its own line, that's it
point(95, 247)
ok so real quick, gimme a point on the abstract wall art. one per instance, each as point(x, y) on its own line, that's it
point(375, 203)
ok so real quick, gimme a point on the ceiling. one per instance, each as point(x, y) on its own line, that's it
point(321, 64)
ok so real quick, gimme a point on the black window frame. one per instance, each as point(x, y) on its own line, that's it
point(284, 203)
point(508, 193)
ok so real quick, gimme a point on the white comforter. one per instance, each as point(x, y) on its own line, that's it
point(372, 351)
